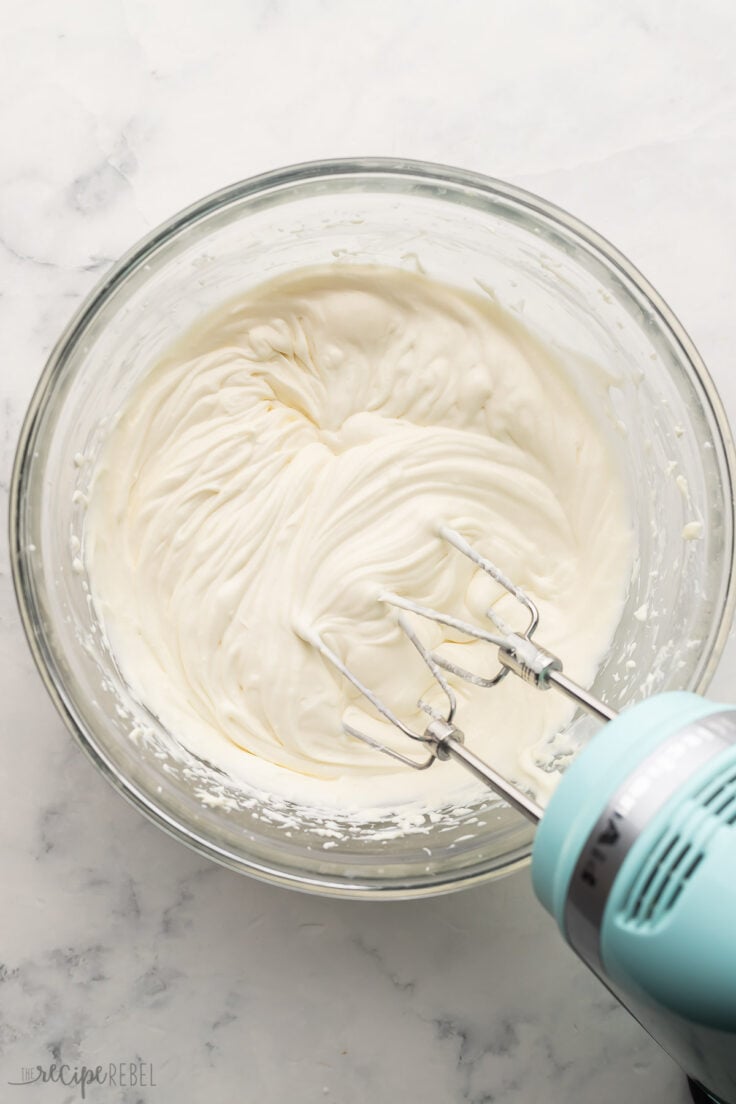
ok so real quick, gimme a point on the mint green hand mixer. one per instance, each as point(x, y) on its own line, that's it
point(635, 855)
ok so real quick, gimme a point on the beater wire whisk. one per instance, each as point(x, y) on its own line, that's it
point(517, 652)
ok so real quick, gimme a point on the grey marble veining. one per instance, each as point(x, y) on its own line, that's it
point(118, 944)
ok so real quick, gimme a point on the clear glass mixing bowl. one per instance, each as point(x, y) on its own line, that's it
point(572, 288)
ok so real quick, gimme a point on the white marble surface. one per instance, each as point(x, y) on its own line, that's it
point(117, 942)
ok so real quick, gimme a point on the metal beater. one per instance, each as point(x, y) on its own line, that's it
point(517, 653)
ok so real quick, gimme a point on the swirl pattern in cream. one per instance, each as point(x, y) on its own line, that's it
point(290, 459)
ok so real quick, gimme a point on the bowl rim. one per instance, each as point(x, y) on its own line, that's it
point(281, 178)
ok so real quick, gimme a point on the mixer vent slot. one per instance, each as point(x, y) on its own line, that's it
point(719, 798)
point(677, 854)
point(660, 883)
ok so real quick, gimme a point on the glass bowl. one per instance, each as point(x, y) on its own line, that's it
point(568, 285)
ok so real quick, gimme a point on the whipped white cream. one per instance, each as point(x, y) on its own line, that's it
point(288, 461)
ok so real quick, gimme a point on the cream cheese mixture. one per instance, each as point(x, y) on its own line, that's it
point(287, 462)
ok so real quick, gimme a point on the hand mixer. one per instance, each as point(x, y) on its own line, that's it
point(635, 855)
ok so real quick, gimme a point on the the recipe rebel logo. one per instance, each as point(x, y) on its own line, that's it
point(116, 1075)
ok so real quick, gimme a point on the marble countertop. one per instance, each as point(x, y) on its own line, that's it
point(118, 944)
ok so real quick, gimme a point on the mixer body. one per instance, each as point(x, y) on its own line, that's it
point(635, 855)
point(635, 858)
